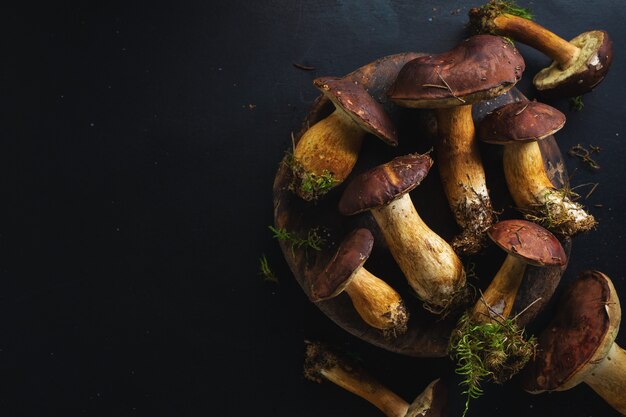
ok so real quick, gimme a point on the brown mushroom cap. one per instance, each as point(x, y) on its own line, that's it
point(384, 183)
point(479, 68)
point(528, 241)
point(579, 336)
point(523, 121)
point(350, 256)
point(356, 102)
point(432, 402)
point(589, 69)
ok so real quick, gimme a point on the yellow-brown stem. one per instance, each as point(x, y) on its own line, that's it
point(608, 379)
point(535, 35)
point(428, 262)
point(332, 144)
point(463, 175)
point(502, 291)
point(377, 303)
point(365, 386)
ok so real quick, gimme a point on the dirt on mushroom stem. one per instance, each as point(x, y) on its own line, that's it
point(475, 217)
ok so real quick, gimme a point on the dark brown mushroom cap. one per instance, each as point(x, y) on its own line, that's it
point(356, 102)
point(432, 402)
point(523, 121)
point(593, 66)
point(479, 68)
point(529, 242)
point(384, 183)
point(573, 338)
point(350, 256)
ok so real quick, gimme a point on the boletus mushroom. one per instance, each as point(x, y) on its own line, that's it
point(480, 68)
point(487, 342)
point(518, 126)
point(578, 345)
point(328, 150)
point(378, 304)
point(428, 262)
point(321, 363)
point(579, 65)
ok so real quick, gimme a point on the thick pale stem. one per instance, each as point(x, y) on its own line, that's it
point(532, 190)
point(332, 144)
point(502, 291)
point(535, 35)
point(608, 379)
point(428, 262)
point(377, 303)
point(463, 176)
point(365, 386)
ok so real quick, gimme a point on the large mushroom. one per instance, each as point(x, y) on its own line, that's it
point(480, 68)
point(579, 343)
point(487, 342)
point(329, 149)
point(428, 262)
point(321, 363)
point(518, 126)
point(579, 65)
point(378, 304)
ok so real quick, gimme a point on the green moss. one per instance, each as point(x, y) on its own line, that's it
point(308, 185)
point(266, 271)
point(494, 350)
point(576, 103)
point(312, 240)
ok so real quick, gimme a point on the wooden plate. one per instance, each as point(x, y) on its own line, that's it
point(427, 335)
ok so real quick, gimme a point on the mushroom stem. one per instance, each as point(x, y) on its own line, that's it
point(429, 264)
point(498, 299)
point(322, 362)
point(533, 191)
point(608, 379)
point(535, 35)
point(463, 176)
point(331, 146)
point(377, 303)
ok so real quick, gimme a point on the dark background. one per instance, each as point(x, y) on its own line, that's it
point(139, 144)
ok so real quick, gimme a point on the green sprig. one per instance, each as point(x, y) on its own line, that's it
point(312, 240)
point(266, 271)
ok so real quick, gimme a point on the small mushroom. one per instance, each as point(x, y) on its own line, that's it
point(480, 68)
point(579, 343)
point(579, 65)
point(328, 150)
point(429, 263)
point(377, 303)
point(323, 364)
point(519, 126)
point(525, 243)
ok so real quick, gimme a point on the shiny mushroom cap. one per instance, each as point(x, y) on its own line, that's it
point(528, 241)
point(479, 68)
point(578, 337)
point(384, 183)
point(523, 121)
point(360, 106)
point(350, 256)
point(591, 66)
point(432, 402)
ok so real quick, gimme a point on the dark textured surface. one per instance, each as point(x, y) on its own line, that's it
point(139, 145)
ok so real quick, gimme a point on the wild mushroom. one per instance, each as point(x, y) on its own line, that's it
point(328, 150)
point(377, 303)
point(519, 126)
point(430, 265)
point(579, 343)
point(323, 364)
point(480, 68)
point(579, 65)
point(487, 342)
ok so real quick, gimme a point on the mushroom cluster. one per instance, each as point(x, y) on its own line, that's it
point(485, 335)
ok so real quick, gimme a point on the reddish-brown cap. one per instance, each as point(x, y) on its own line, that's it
point(384, 183)
point(360, 106)
point(529, 242)
point(578, 337)
point(523, 121)
point(350, 256)
point(587, 71)
point(432, 402)
point(479, 68)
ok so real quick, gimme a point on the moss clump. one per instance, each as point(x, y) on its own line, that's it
point(494, 350)
point(481, 18)
point(308, 185)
